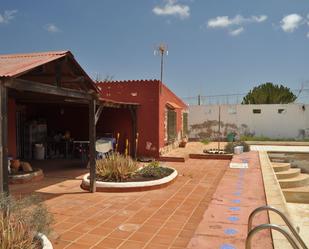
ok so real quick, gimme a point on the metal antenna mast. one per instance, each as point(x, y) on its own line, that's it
point(161, 50)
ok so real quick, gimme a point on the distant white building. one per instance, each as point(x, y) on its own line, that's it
point(271, 120)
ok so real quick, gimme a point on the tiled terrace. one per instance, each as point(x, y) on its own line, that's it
point(157, 219)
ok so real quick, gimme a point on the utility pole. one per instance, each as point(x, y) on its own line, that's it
point(161, 50)
point(219, 128)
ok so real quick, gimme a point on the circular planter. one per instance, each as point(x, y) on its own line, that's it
point(130, 186)
point(34, 176)
point(46, 244)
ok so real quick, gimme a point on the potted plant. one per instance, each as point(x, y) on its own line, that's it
point(24, 223)
point(183, 142)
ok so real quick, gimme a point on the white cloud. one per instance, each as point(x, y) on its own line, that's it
point(172, 8)
point(261, 18)
point(225, 21)
point(219, 22)
point(308, 35)
point(52, 28)
point(236, 32)
point(291, 22)
point(7, 16)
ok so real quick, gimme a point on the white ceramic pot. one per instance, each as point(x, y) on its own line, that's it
point(46, 244)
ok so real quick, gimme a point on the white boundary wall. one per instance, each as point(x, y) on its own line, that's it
point(291, 122)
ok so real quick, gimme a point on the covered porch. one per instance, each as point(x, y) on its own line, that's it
point(47, 99)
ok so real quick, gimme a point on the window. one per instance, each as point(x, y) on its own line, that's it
point(171, 126)
point(256, 111)
point(281, 111)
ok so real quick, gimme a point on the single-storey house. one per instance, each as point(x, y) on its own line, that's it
point(161, 116)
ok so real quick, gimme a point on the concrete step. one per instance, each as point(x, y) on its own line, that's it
point(297, 195)
point(298, 181)
point(281, 166)
point(293, 172)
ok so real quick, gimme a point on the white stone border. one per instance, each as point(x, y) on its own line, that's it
point(27, 175)
point(124, 185)
point(46, 244)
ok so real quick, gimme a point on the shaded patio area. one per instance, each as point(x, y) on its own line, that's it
point(158, 219)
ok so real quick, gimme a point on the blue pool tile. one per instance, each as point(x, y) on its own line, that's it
point(233, 218)
point(236, 201)
point(230, 231)
point(234, 208)
point(227, 246)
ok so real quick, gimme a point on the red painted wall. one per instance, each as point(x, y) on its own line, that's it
point(12, 127)
point(168, 96)
point(144, 93)
point(150, 114)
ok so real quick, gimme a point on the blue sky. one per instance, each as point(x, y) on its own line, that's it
point(215, 46)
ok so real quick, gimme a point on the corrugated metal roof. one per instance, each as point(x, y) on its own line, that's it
point(13, 65)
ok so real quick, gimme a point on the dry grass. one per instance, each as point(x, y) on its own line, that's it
point(21, 220)
point(116, 167)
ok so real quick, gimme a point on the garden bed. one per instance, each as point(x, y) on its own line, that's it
point(136, 183)
point(24, 177)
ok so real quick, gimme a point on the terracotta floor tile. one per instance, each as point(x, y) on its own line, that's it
point(110, 224)
point(63, 226)
point(148, 229)
point(60, 244)
point(118, 234)
point(162, 240)
point(101, 247)
point(181, 242)
point(156, 246)
point(83, 227)
point(77, 246)
point(70, 236)
point(169, 232)
point(75, 219)
point(186, 233)
point(89, 239)
point(142, 237)
point(132, 245)
point(79, 213)
point(101, 231)
point(110, 243)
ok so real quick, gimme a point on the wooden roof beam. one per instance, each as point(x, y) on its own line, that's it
point(26, 85)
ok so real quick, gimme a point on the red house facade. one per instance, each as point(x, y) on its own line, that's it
point(161, 115)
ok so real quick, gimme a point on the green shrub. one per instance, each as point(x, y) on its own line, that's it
point(21, 220)
point(154, 164)
point(155, 171)
point(264, 138)
point(229, 148)
point(255, 138)
point(205, 141)
point(116, 168)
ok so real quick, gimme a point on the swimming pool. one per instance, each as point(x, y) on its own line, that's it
point(296, 159)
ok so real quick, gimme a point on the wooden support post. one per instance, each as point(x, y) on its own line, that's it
point(133, 112)
point(92, 140)
point(4, 177)
point(98, 113)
